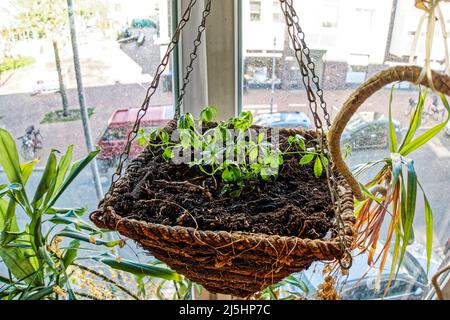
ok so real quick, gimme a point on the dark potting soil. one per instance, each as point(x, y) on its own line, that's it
point(296, 203)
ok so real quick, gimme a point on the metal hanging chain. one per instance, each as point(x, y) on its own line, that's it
point(302, 51)
point(310, 63)
point(150, 92)
point(193, 56)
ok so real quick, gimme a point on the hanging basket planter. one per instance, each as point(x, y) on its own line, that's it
point(229, 245)
point(235, 242)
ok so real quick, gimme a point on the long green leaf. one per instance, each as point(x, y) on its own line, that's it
point(72, 218)
point(428, 227)
point(318, 168)
point(74, 172)
point(9, 157)
point(27, 169)
point(13, 186)
point(3, 210)
point(8, 216)
point(71, 253)
point(392, 135)
point(139, 269)
point(416, 119)
point(396, 167)
point(40, 294)
point(63, 166)
point(411, 198)
point(46, 180)
point(74, 234)
point(428, 135)
point(19, 264)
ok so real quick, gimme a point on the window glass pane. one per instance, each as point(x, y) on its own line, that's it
point(120, 45)
point(255, 10)
point(345, 56)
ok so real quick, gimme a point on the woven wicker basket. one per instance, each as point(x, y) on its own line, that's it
point(234, 263)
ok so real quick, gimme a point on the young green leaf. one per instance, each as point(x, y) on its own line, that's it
point(208, 114)
point(168, 154)
point(318, 168)
point(307, 158)
point(186, 121)
point(428, 135)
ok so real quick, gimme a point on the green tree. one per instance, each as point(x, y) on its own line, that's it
point(48, 19)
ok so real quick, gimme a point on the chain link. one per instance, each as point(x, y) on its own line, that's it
point(307, 69)
point(193, 56)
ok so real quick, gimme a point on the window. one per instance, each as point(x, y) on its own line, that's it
point(277, 13)
point(345, 56)
point(330, 16)
point(255, 10)
point(112, 81)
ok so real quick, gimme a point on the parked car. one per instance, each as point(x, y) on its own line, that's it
point(284, 120)
point(114, 138)
point(411, 282)
point(369, 130)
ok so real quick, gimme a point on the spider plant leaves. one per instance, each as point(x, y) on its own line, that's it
point(428, 135)
point(368, 193)
point(139, 269)
point(392, 135)
point(415, 120)
point(428, 227)
point(409, 213)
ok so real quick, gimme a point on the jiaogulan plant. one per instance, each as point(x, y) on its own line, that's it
point(213, 148)
point(393, 191)
point(45, 256)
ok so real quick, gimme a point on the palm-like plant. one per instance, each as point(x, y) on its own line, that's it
point(392, 193)
point(39, 256)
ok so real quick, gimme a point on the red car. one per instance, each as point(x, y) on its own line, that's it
point(114, 139)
